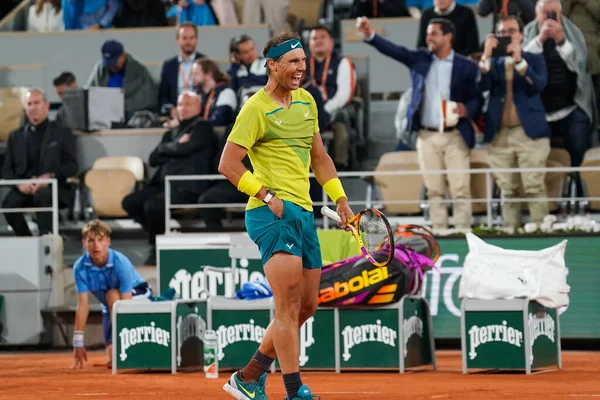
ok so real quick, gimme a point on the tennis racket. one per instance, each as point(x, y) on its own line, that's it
point(372, 232)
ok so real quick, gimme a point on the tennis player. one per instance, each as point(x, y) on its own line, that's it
point(108, 275)
point(278, 128)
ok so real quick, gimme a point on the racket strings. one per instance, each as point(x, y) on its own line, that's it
point(375, 236)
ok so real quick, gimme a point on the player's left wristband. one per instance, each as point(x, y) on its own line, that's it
point(78, 339)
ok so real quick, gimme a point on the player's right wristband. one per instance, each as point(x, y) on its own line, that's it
point(78, 339)
point(248, 184)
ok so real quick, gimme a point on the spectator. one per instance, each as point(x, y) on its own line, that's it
point(274, 11)
point(439, 74)
point(524, 9)
point(119, 69)
point(568, 96)
point(515, 126)
point(219, 103)
point(62, 83)
point(423, 4)
point(466, 40)
point(249, 74)
point(45, 16)
point(334, 75)
point(189, 149)
point(176, 73)
point(225, 12)
point(197, 12)
point(586, 15)
point(141, 14)
point(379, 9)
point(39, 149)
point(89, 14)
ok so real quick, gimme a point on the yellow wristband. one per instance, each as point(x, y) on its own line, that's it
point(248, 184)
point(334, 189)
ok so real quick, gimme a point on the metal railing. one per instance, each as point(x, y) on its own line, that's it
point(489, 200)
point(53, 208)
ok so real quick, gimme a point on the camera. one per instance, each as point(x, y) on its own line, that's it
point(500, 50)
point(552, 15)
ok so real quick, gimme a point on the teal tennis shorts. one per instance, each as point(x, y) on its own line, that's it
point(295, 233)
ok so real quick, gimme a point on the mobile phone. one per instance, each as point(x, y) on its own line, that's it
point(552, 15)
point(500, 50)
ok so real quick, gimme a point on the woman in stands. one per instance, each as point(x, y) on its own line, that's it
point(219, 102)
point(45, 16)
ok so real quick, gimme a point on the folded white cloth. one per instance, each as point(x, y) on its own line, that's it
point(490, 272)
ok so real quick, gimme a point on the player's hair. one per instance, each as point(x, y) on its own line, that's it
point(276, 41)
point(95, 227)
point(187, 24)
point(503, 18)
point(208, 65)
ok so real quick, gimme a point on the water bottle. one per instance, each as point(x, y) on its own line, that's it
point(211, 362)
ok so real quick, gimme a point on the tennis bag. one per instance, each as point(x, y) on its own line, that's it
point(355, 281)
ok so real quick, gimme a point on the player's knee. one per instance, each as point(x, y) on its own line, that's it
point(308, 309)
point(289, 309)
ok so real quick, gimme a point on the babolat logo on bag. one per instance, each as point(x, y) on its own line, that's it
point(356, 281)
point(238, 333)
point(355, 335)
point(479, 335)
point(142, 334)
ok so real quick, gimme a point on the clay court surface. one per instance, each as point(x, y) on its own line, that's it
point(26, 376)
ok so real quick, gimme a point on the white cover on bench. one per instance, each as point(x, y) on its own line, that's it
point(491, 272)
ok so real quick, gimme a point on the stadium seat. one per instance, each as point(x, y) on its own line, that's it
point(479, 160)
point(108, 188)
point(561, 156)
point(555, 185)
point(591, 179)
point(133, 164)
point(105, 169)
point(303, 14)
point(11, 110)
point(395, 188)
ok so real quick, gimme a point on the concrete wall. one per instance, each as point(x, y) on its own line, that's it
point(79, 51)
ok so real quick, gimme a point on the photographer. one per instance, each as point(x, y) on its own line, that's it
point(515, 125)
point(568, 96)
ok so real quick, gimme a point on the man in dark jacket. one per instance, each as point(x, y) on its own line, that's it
point(176, 72)
point(515, 126)
point(189, 149)
point(119, 69)
point(39, 149)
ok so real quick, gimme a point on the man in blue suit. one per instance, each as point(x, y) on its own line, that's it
point(515, 126)
point(176, 73)
point(439, 75)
